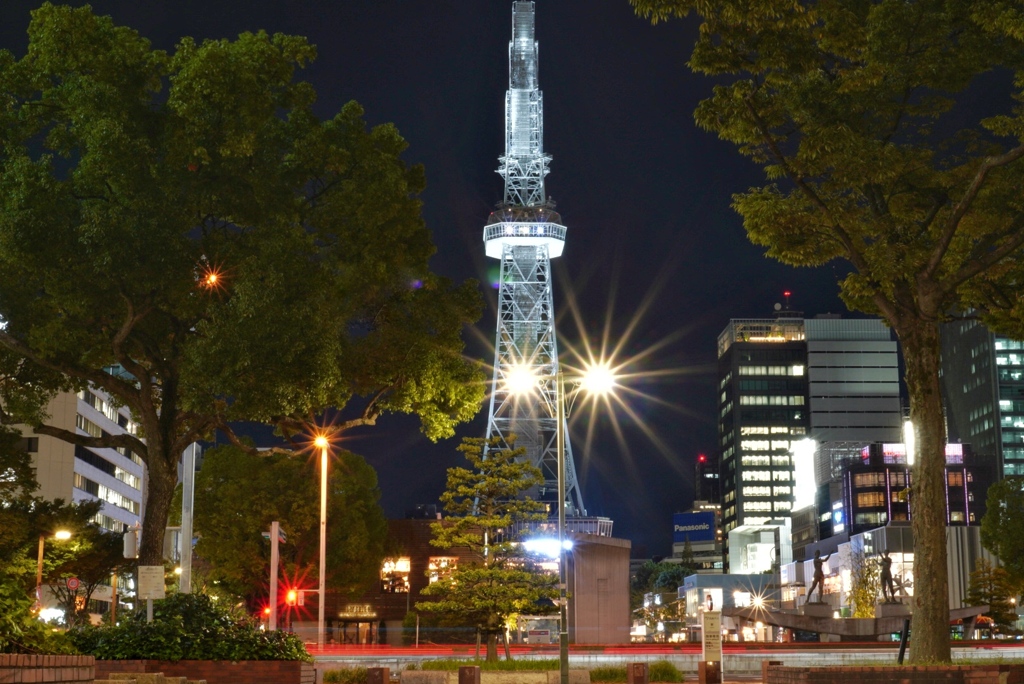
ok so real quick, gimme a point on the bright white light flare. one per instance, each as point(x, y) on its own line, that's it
point(908, 440)
point(598, 379)
point(546, 546)
point(520, 379)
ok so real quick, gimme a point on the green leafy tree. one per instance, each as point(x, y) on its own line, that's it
point(181, 231)
point(487, 511)
point(860, 114)
point(92, 556)
point(23, 522)
point(658, 577)
point(17, 478)
point(864, 585)
point(991, 585)
point(1002, 527)
point(238, 495)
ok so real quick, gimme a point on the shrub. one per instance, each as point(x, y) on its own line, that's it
point(354, 675)
point(20, 630)
point(188, 627)
point(664, 671)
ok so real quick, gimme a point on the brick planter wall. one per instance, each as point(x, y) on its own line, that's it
point(907, 674)
point(47, 668)
point(217, 671)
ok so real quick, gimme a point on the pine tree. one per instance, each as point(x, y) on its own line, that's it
point(488, 511)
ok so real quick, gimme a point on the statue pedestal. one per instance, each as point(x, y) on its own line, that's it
point(818, 610)
point(884, 610)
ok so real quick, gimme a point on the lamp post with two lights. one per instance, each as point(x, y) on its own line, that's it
point(598, 379)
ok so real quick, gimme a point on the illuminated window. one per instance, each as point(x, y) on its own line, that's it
point(757, 475)
point(755, 444)
point(440, 567)
point(394, 576)
point(783, 505)
point(781, 491)
point(105, 493)
point(955, 479)
point(752, 430)
point(756, 460)
point(757, 506)
point(87, 426)
point(870, 499)
point(869, 480)
point(757, 491)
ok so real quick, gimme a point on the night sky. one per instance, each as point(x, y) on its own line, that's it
point(654, 254)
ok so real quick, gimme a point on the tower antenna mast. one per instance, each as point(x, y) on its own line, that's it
point(525, 233)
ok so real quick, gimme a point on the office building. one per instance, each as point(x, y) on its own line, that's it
point(874, 491)
point(697, 538)
point(76, 473)
point(786, 384)
point(983, 388)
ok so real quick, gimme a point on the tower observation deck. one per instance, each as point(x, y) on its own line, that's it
point(525, 233)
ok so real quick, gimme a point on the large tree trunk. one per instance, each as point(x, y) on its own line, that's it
point(930, 623)
point(159, 491)
point(492, 646)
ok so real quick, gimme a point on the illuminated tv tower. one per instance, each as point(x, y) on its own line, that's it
point(525, 233)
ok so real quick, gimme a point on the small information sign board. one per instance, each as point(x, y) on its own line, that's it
point(151, 582)
point(710, 671)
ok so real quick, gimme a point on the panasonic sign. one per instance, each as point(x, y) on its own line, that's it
point(697, 527)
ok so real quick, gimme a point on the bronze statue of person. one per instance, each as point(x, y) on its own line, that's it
point(819, 577)
point(888, 591)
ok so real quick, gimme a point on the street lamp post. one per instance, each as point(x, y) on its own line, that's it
point(322, 442)
point(598, 379)
point(563, 620)
point(59, 534)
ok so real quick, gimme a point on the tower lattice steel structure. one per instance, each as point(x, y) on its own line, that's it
point(525, 233)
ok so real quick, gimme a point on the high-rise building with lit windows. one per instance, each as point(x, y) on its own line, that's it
point(983, 384)
point(77, 473)
point(762, 408)
point(787, 384)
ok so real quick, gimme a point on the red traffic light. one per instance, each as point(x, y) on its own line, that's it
point(266, 611)
point(702, 458)
point(292, 597)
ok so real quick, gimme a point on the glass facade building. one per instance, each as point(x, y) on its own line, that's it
point(983, 384)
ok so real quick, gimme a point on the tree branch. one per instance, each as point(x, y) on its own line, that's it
point(961, 208)
point(125, 440)
point(853, 253)
point(981, 264)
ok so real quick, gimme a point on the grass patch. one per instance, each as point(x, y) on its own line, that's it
point(452, 664)
point(354, 675)
point(658, 671)
point(609, 674)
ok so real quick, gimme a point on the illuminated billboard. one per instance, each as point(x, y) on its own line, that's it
point(697, 527)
